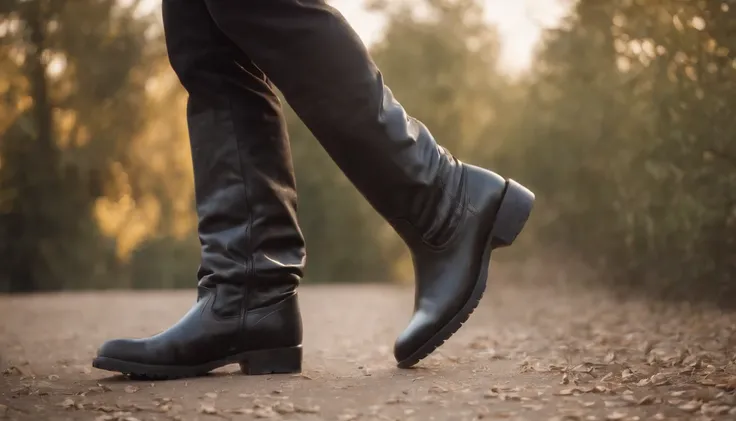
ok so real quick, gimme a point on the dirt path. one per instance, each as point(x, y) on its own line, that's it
point(538, 354)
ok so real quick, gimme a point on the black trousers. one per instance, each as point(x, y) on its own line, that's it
point(226, 54)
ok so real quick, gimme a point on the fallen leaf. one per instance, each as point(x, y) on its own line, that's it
point(627, 375)
point(568, 392)
point(509, 397)
point(12, 370)
point(629, 398)
point(659, 379)
point(284, 408)
point(207, 409)
point(131, 389)
point(24, 390)
point(210, 395)
point(306, 409)
point(240, 411)
point(691, 406)
point(714, 409)
point(395, 399)
point(729, 384)
point(615, 416)
point(437, 389)
point(678, 393)
point(490, 394)
point(597, 389)
point(348, 417)
point(67, 403)
point(646, 400)
point(266, 412)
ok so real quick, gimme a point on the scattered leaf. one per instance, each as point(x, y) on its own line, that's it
point(131, 389)
point(437, 389)
point(284, 408)
point(68, 403)
point(597, 389)
point(659, 379)
point(691, 406)
point(646, 400)
point(395, 399)
point(210, 395)
point(509, 397)
point(678, 393)
point(208, 409)
point(714, 409)
point(492, 393)
point(307, 409)
point(616, 416)
point(266, 412)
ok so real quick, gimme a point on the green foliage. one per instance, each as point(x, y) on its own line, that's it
point(628, 137)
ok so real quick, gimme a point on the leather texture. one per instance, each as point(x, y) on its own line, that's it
point(201, 336)
point(441, 207)
point(447, 273)
point(252, 250)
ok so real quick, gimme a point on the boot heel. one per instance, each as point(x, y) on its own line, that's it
point(512, 215)
point(272, 361)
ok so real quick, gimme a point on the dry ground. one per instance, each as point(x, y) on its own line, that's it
point(527, 354)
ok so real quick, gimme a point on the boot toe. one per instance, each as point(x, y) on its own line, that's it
point(421, 328)
point(122, 349)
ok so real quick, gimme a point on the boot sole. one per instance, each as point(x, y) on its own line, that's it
point(516, 206)
point(266, 361)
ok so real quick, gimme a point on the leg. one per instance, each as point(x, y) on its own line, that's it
point(252, 248)
point(450, 214)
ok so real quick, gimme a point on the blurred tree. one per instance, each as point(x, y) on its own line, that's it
point(627, 138)
point(75, 154)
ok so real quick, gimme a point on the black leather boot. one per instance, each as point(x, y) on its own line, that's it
point(450, 214)
point(252, 248)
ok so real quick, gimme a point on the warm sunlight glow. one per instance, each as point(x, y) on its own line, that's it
point(520, 23)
